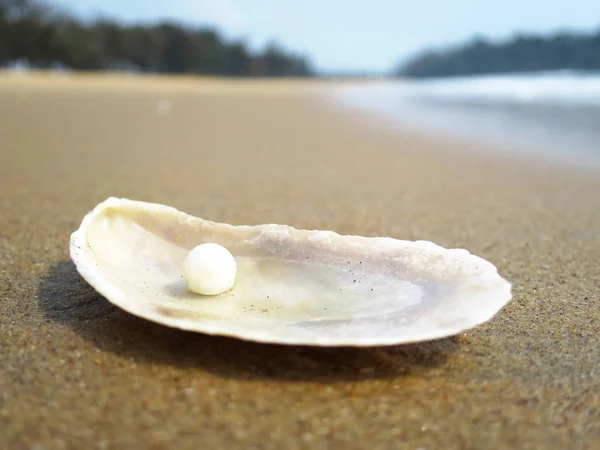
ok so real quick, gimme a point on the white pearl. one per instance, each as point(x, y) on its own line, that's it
point(209, 269)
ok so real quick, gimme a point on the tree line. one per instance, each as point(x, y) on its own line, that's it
point(519, 54)
point(34, 31)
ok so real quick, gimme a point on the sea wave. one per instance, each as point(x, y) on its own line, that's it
point(545, 88)
point(558, 112)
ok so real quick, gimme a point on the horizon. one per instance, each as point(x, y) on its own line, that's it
point(377, 48)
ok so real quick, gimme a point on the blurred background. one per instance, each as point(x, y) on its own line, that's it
point(269, 38)
point(524, 73)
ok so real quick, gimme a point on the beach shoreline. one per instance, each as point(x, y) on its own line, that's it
point(534, 124)
point(77, 372)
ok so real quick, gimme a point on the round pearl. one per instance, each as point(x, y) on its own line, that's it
point(209, 269)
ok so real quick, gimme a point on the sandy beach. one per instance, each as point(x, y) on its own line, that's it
point(76, 372)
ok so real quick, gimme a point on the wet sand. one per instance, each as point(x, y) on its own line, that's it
point(76, 372)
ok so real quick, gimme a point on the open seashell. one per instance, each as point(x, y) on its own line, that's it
point(292, 286)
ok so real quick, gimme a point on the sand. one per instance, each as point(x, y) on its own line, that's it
point(76, 372)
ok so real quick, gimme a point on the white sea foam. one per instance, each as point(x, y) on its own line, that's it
point(546, 88)
point(557, 111)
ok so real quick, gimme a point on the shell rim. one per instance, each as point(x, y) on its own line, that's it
point(83, 263)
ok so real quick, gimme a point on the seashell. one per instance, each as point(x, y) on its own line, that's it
point(292, 286)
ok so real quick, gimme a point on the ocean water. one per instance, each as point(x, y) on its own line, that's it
point(553, 115)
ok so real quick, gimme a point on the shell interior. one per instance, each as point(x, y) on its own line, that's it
point(292, 286)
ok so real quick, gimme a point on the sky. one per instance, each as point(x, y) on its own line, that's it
point(355, 35)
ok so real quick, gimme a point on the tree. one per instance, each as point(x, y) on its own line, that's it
point(238, 61)
point(32, 30)
point(521, 54)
